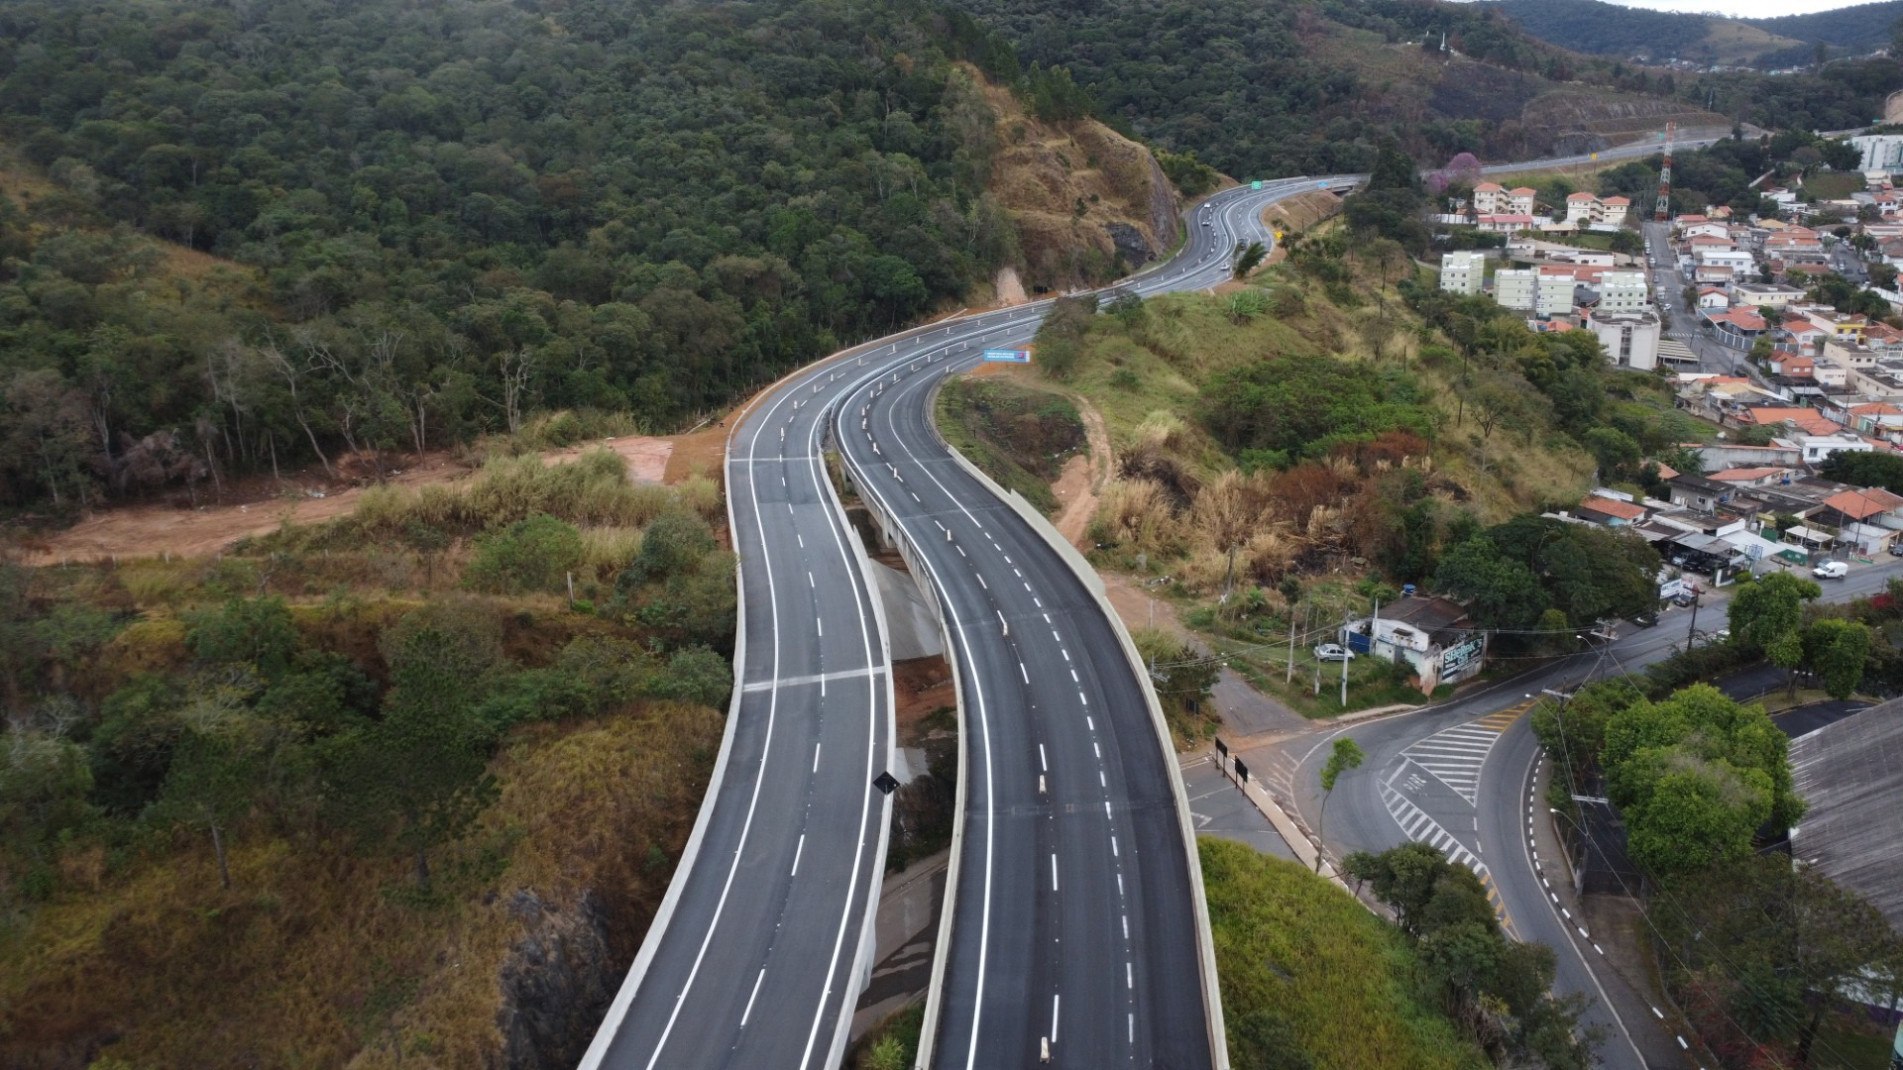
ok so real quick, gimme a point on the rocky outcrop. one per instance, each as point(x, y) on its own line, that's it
point(556, 983)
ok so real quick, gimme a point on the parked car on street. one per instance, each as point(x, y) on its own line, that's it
point(1646, 619)
point(1333, 652)
point(1831, 570)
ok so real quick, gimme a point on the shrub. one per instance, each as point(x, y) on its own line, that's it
point(529, 555)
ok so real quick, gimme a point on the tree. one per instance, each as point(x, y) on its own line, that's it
point(213, 770)
point(1249, 258)
point(418, 777)
point(533, 554)
point(1346, 755)
point(258, 632)
point(1837, 650)
point(1768, 607)
point(1498, 592)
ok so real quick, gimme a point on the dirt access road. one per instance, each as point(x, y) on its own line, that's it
point(310, 498)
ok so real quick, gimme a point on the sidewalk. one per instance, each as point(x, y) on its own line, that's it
point(1613, 948)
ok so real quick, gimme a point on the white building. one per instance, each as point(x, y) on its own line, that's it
point(1490, 198)
point(1517, 288)
point(1881, 152)
point(1462, 273)
point(1555, 295)
point(1432, 635)
point(1818, 448)
point(1624, 291)
point(1631, 338)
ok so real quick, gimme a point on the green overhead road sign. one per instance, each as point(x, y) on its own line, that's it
point(1257, 184)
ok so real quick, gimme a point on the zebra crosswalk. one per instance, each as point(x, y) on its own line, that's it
point(1454, 755)
point(1420, 827)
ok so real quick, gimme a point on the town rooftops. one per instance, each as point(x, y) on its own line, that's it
point(1743, 319)
point(1431, 614)
point(1865, 503)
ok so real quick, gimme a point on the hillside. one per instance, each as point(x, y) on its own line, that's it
point(1282, 87)
point(1616, 30)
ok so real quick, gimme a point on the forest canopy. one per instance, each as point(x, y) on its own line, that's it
point(454, 216)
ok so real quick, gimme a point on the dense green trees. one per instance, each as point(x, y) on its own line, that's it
point(459, 216)
point(1497, 989)
point(1509, 574)
point(1305, 407)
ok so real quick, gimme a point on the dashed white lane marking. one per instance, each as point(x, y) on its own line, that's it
point(1090, 724)
point(1066, 654)
point(1022, 671)
point(798, 849)
point(1054, 1004)
point(982, 583)
point(1126, 926)
point(1129, 975)
point(816, 747)
point(1053, 871)
point(745, 1014)
point(1041, 763)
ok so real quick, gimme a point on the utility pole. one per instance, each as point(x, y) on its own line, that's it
point(1290, 678)
point(1693, 630)
point(1346, 656)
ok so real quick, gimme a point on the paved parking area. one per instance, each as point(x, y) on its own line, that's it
point(1218, 808)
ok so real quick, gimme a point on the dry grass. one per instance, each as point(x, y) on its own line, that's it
point(320, 957)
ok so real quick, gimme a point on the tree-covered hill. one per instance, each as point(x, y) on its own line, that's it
point(1598, 27)
point(1278, 87)
point(457, 214)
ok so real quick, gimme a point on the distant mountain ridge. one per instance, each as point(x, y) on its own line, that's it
point(1594, 26)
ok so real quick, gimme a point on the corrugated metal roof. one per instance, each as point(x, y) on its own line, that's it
point(1851, 774)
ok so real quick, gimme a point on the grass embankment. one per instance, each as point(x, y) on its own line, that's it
point(280, 667)
point(1300, 961)
point(1017, 434)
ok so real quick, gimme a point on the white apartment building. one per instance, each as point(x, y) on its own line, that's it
point(1631, 338)
point(1555, 295)
point(1624, 291)
point(1462, 273)
point(1881, 152)
point(1585, 209)
point(1517, 288)
point(1491, 198)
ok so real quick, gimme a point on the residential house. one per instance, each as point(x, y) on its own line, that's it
point(1490, 198)
point(1703, 229)
point(1610, 512)
point(1816, 449)
point(1713, 297)
point(1715, 274)
point(1581, 208)
point(1738, 328)
point(1462, 272)
point(1765, 294)
point(1868, 518)
point(1433, 635)
point(1797, 332)
point(1698, 493)
point(1763, 476)
point(1504, 222)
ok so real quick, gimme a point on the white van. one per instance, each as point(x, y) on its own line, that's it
point(1831, 570)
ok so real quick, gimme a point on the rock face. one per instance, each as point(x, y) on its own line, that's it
point(556, 983)
point(1089, 204)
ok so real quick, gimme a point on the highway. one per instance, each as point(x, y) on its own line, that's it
point(1074, 896)
point(1074, 910)
point(1460, 776)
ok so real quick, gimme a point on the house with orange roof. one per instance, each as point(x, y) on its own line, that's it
point(1870, 517)
point(1610, 512)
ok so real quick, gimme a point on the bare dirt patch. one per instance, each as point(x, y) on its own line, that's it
point(264, 505)
point(1139, 608)
point(1081, 483)
point(921, 687)
point(1010, 288)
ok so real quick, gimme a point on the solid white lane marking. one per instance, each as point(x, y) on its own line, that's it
point(798, 850)
point(744, 1015)
point(816, 678)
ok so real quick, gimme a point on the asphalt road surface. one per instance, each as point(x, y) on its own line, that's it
point(1073, 905)
point(1460, 776)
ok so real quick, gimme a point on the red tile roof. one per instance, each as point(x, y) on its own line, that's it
point(1613, 507)
point(1860, 504)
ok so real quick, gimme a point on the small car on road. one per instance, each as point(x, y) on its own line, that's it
point(1333, 652)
